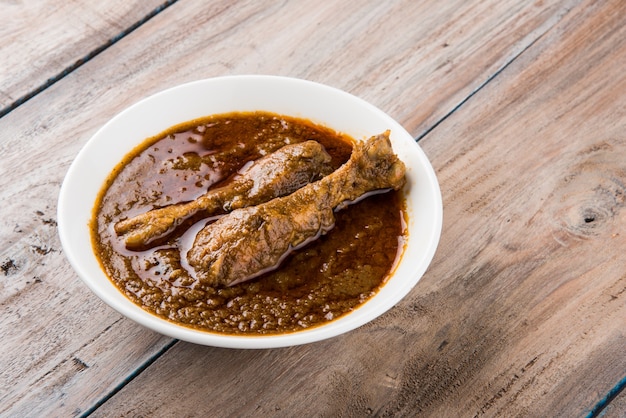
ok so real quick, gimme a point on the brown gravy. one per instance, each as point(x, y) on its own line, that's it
point(319, 283)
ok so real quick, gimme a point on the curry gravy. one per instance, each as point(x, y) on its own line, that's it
point(318, 283)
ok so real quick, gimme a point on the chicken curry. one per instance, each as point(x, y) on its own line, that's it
point(251, 223)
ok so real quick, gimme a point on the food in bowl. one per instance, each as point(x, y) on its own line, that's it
point(167, 224)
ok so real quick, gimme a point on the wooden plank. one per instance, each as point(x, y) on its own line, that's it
point(615, 408)
point(404, 56)
point(41, 39)
point(523, 311)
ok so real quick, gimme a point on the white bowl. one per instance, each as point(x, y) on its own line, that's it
point(319, 103)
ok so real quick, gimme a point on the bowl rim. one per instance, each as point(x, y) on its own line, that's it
point(78, 184)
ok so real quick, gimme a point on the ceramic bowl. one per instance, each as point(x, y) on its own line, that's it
point(319, 103)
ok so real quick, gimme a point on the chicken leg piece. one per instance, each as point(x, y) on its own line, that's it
point(251, 241)
point(277, 174)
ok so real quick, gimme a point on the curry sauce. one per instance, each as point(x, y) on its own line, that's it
point(315, 284)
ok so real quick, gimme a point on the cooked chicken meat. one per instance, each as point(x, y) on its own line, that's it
point(251, 241)
point(276, 174)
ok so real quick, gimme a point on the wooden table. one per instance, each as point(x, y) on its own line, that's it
point(521, 108)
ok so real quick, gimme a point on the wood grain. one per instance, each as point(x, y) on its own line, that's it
point(523, 311)
point(41, 39)
point(65, 351)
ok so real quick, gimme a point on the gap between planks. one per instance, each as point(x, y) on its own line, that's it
point(129, 378)
point(79, 63)
point(484, 83)
point(608, 398)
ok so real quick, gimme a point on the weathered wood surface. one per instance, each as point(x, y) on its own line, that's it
point(41, 39)
point(522, 312)
point(524, 309)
